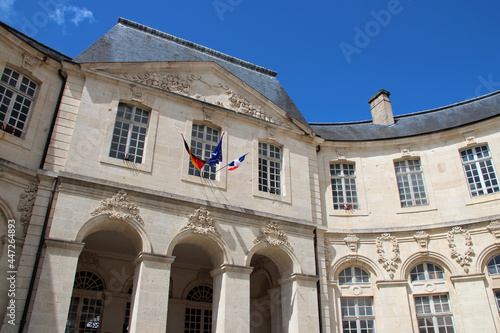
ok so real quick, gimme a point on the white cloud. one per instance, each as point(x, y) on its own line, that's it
point(7, 9)
point(73, 13)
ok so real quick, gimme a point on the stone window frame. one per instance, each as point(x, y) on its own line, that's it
point(419, 174)
point(17, 92)
point(345, 204)
point(270, 149)
point(477, 162)
point(357, 317)
point(425, 271)
point(207, 171)
point(149, 149)
point(358, 278)
point(434, 314)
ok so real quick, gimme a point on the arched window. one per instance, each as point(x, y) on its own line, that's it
point(494, 266)
point(353, 275)
point(198, 318)
point(86, 304)
point(426, 271)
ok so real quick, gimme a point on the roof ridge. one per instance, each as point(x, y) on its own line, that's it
point(197, 47)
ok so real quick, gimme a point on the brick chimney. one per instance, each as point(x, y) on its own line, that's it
point(380, 106)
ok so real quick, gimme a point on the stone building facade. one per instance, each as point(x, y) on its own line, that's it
point(388, 225)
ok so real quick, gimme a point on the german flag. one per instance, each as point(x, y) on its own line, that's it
point(198, 164)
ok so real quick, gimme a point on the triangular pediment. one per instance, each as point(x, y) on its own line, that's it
point(204, 81)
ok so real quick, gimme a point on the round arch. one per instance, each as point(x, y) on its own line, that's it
point(354, 260)
point(5, 208)
point(428, 256)
point(134, 231)
point(211, 243)
point(283, 257)
point(486, 255)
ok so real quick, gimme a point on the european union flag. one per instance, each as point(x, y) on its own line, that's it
point(216, 156)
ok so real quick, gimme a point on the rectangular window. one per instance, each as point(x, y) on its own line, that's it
point(344, 191)
point(269, 168)
point(479, 170)
point(204, 139)
point(129, 135)
point(357, 315)
point(17, 96)
point(410, 183)
point(434, 314)
point(197, 321)
point(497, 298)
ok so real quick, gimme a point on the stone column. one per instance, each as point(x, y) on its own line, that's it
point(299, 303)
point(55, 286)
point(391, 307)
point(473, 303)
point(150, 294)
point(231, 299)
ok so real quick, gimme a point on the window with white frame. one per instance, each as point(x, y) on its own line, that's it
point(353, 275)
point(343, 178)
point(17, 96)
point(269, 168)
point(434, 314)
point(426, 271)
point(494, 266)
point(479, 171)
point(129, 135)
point(410, 179)
point(357, 315)
point(204, 140)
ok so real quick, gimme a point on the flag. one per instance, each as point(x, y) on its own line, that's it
point(216, 156)
point(198, 164)
point(236, 163)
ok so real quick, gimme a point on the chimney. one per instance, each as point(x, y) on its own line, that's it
point(380, 106)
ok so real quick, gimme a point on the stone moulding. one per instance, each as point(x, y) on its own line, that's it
point(30, 62)
point(273, 235)
point(164, 81)
point(389, 264)
point(119, 207)
point(201, 222)
point(26, 202)
point(464, 260)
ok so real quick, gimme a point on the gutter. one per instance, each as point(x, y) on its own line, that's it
point(318, 283)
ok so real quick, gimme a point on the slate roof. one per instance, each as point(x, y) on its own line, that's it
point(56, 55)
point(413, 124)
point(129, 41)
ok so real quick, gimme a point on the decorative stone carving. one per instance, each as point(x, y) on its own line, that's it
point(273, 235)
point(242, 105)
point(422, 238)
point(119, 207)
point(352, 242)
point(26, 202)
point(405, 150)
point(470, 137)
point(30, 62)
point(88, 259)
point(341, 153)
point(390, 264)
point(328, 253)
point(201, 222)
point(204, 276)
point(208, 114)
point(137, 93)
point(271, 133)
point(494, 228)
point(164, 81)
point(465, 259)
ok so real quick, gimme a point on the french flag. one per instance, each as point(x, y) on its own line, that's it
point(236, 163)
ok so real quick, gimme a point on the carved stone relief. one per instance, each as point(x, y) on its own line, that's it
point(137, 93)
point(352, 242)
point(119, 207)
point(208, 114)
point(422, 238)
point(26, 202)
point(405, 150)
point(465, 259)
point(201, 222)
point(273, 235)
point(30, 62)
point(164, 81)
point(390, 264)
point(271, 133)
point(470, 137)
point(494, 228)
point(89, 260)
point(341, 153)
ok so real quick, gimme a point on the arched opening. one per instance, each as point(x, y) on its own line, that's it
point(190, 305)
point(265, 296)
point(102, 292)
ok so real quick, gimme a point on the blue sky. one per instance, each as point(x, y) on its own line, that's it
point(331, 56)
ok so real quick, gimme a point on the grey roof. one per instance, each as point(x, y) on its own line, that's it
point(56, 55)
point(413, 124)
point(129, 41)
